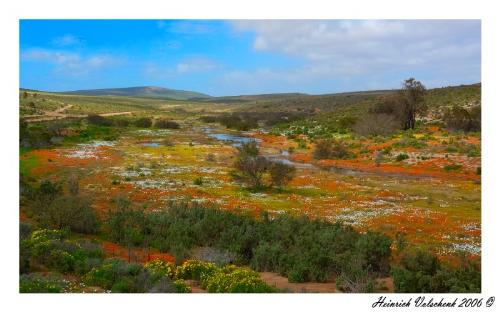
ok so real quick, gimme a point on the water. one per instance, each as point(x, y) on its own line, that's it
point(150, 144)
point(235, 139)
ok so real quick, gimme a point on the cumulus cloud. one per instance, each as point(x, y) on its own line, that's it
point(339, 48)
point(69, 63)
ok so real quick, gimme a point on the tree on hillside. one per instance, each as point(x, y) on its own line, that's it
point(413, 93)
point(403, 105)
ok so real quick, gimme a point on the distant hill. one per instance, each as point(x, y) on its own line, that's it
point(148, 92)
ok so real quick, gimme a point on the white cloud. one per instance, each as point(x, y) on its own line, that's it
point(183, 67)
point(67, 40)
point(337, 48)
point(69, 63)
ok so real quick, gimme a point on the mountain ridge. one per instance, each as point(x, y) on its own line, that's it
point(142, 91)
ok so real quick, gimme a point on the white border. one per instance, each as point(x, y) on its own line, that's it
point(12, 11)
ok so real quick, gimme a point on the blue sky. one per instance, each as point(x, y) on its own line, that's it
point(222, 57)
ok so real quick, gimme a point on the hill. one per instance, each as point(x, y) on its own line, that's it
point(147, 92)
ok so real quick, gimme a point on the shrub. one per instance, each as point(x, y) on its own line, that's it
point(161, 267)
point(231, 279)
point(38, 283)
point(452, 167)
point(355, 278)
point(478, 170)
point(52, 249)
point(281, 173)
point(198, 181)
point(459, 118)
point(119, 276)
point(98, 120)
point(376, 124)
point(122, 122)
point(181, 286)
point(193, 269)
point(211, 157)
point(143, 122)
point(421, 271)
point(402, 157)
point(166, 124)
point(330, 148)
point(74, 212)
point(374, 250)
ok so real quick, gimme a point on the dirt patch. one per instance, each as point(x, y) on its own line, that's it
point(282, 283)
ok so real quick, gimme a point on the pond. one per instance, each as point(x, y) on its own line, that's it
point(150, 144)
point(237, 140)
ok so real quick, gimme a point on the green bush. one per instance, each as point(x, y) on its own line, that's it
point(402, 157)
point(143, 122)
point(119, 276)
point(181, 286)
point(73, 212)
point(38, 283)
point(330, 148)
point(166, 124)
point(452, 167)
point(231, 279)
point(421, 271)
point(52, 249)
point(161, 267)
point(99, 120)
point(193, 269)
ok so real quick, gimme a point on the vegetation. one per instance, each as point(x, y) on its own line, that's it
point(421, 271)
point(143, 122)
point(330, 149)
point(252, 169)
point(99, 216)
point(460, 118)
point(166, 124)
point(322, 250)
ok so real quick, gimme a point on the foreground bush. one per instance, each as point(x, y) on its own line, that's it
point(73, 212)
point(226, 279)
point(300, 248)
point(38, 283)
point(52, 249)
point(422, 272)
point(120, 276)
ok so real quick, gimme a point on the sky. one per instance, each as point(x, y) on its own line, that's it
point(233, 57)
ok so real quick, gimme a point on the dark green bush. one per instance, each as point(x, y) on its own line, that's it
point(421, 271)
point(402, 157)
point(143, 122)
point(331, 149)
point(452, 167)
point(166, 124)
point(73, 212)
point(99, 120)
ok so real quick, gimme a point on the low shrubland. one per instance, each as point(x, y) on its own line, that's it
point(320, 251)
